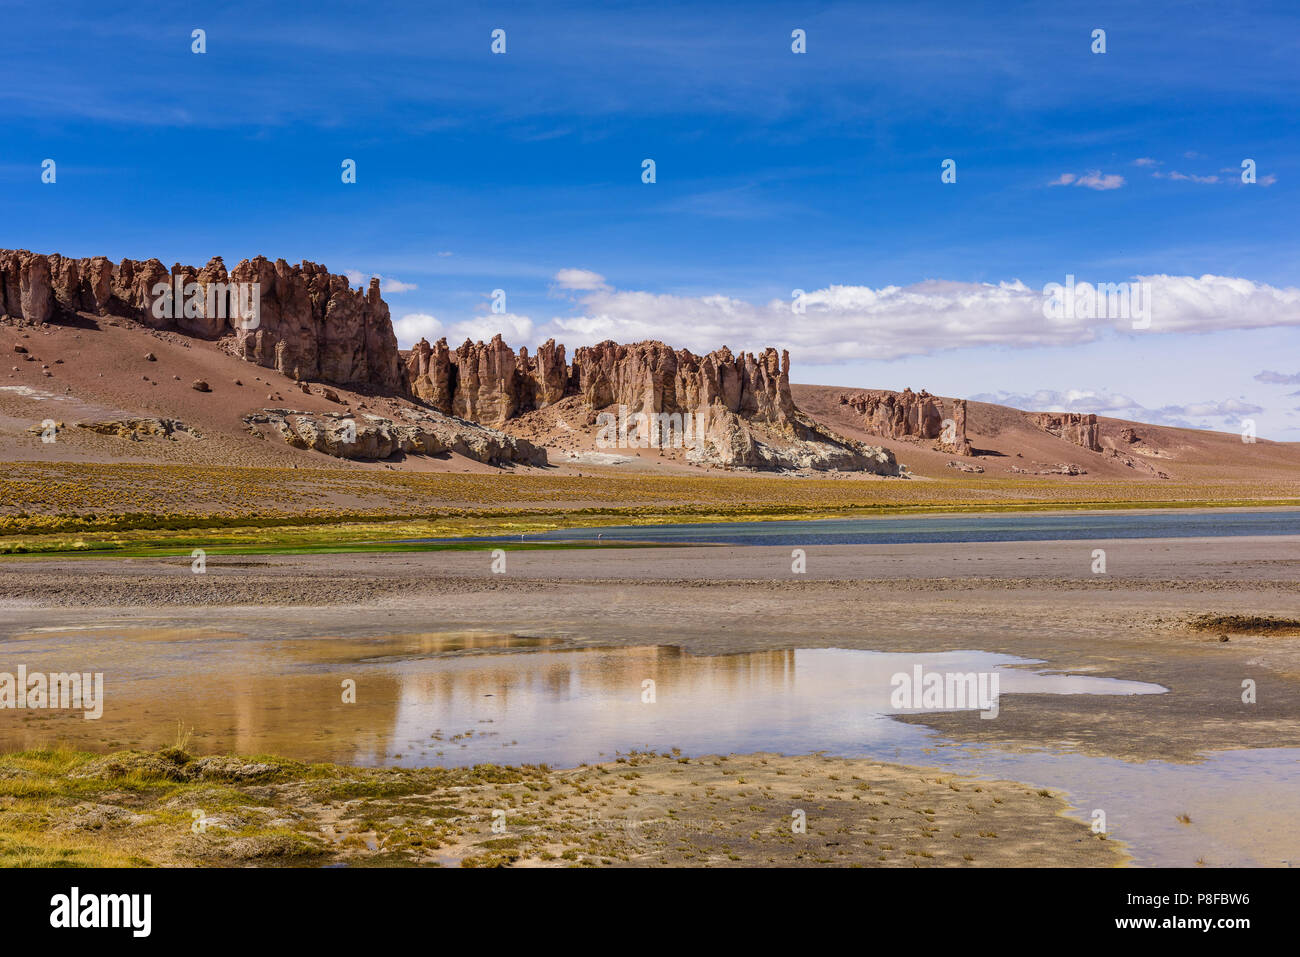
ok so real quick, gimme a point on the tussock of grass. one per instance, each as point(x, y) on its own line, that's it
point(1245, 624)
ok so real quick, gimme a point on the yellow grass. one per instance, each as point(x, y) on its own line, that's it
point(73, 507)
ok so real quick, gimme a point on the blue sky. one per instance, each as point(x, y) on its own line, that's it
point(774, 171)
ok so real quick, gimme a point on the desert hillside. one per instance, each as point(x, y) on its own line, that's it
point(135, 362)
point(98, 370)
point(1003, 439)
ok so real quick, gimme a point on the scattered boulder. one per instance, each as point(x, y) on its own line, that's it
point(200, 385)
point(372, 437)
point(137, 429)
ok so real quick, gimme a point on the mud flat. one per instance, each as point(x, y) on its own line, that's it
point(1231, 762)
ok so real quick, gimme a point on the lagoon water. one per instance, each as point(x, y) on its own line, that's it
point(966, 527)
point(463, 699)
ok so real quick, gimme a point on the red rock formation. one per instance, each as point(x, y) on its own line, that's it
point(311, 324)
point(25, 285)
point(909, 414)
point(651, 377)
point(953, 439)
point(728, 397)
point(1076, 427)
point(488, 383)
point(898, 415)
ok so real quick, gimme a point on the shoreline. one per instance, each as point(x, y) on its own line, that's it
point(169, 808)
point(1033, 600)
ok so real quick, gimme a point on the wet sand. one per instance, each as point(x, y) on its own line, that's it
point(1033, 600)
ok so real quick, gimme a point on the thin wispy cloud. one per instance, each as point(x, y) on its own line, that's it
point(1093, 179)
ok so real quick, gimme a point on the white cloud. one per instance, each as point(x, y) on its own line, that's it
point(1225, 412)
point(1186, 177)
point(1278, 378)
point(583, 280)
point(1093, 179)
point(414, 326)
point(848, 323)
point(1147, 161)
point(857, 322)
point(387, 284)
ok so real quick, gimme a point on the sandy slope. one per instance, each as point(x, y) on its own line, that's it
point(96, 369)
point(1004, 437)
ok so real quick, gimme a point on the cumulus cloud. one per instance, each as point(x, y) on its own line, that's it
point(857, 322)
point(583, 280)
point(849, 323)
point(1208, 414)
point(1093, 179)
point(387, 284)
point(1278, 378)
point(1147, 161)
point(414, 326)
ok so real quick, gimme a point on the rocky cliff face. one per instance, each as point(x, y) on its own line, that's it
point(740, 406)
point(489, 383)
point(309, 324)
point(908, 414)
point(1076, 427)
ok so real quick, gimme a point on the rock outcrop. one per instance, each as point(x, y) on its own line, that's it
point(739, 408)
point(489, 383)
point(137, 429)
point(301, 320)
point(309, 324)
point(1075, 427)
point(908, 414)
point(373, 437)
